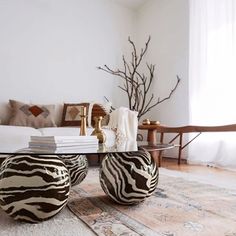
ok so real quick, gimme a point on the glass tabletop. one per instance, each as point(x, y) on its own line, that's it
point(126, 146)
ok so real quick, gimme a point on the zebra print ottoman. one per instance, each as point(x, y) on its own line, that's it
point(77, 166)
point(129, 178)
point(33, 188)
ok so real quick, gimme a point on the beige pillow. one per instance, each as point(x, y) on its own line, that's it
point(31, 115)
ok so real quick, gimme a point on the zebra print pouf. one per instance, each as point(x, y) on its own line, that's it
point(77, 166)
point(33, 188)
point(128, 178)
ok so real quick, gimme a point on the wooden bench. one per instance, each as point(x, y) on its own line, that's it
point(180, 131)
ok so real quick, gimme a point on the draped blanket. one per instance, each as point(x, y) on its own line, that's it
point(125, 122)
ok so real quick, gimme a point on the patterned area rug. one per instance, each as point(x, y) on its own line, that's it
point(178, 207)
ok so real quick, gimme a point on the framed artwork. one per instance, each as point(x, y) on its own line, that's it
point(71, 115)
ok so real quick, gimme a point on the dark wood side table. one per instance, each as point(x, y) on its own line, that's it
point(152, 132)
point(152, 138)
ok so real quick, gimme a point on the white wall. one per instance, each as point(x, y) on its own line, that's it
point(166, 21)
point(49, 49)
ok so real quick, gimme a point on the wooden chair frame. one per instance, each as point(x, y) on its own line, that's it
point(180, 131)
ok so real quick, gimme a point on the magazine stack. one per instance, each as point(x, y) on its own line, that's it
point(63, 144)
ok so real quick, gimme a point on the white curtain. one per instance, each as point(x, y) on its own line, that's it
point(212, 79)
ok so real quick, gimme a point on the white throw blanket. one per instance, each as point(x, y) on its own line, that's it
point(125, 122)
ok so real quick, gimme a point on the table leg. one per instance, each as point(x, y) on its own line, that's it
point(155, 156)
point(77, 166)
point(160, 152)
point(152, 138)
point(123, 183)
point(180, 147)
point(33, 187)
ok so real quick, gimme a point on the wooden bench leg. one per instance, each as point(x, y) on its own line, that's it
point(160, 158)
point(155, 156)
point(160, 152)
point(180, 147)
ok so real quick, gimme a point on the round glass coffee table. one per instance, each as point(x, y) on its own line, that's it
point(34, 186)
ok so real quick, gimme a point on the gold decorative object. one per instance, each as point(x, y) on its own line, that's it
point(154, 122)
point(98, 129)
point(83, 127)
point(146, 122)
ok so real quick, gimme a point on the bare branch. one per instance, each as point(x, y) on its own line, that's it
point(134, 54)
point(143, 51)
point(137, 85)
point(161, 100)
point(112, 108)
point(126, 65)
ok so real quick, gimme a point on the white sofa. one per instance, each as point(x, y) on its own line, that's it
point(17, 137)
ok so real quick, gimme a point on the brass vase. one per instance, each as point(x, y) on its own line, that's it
point(98, 129)
point(83, 128)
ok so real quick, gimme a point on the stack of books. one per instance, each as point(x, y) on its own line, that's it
point(63, 144)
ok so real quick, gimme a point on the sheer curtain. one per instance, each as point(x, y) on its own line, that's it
point(212, 79)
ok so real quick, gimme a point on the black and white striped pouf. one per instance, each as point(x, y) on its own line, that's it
point(129, 178)
point(33, 188)
point(77, 166)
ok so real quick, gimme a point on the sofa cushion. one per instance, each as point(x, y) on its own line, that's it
point(31, 115)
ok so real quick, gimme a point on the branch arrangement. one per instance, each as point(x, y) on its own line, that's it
point(137, 85)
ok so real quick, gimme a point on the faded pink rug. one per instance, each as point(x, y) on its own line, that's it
point(178, 207)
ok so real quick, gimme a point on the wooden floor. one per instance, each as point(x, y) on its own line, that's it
point(208, 172)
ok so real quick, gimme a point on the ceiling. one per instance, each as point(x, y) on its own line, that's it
point(134, 4)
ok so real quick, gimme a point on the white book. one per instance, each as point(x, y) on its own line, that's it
point(62, 145)
point(67, 142)
point(62, 139)
point(49, 146)
point(65, 150)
